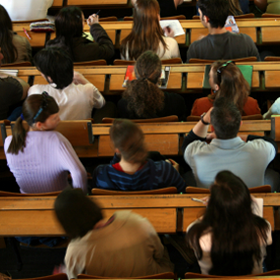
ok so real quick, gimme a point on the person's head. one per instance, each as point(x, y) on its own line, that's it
point(56, 66)
point(214, 12)
point(143, 96)
point(40, 111)
point(146, 33)
point(225, 118)
point(226, 80)
point(77, 213)
point(236, 233)
point(6, 37)
point(128, 140)
point(234, 8)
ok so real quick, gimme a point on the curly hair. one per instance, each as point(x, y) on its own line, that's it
point(143, 95)
point(232, 85)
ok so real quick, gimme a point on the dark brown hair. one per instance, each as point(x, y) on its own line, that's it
point(146, 33)
point(233, 85)
point(30, 110)
point(236, 233)
point(234, 8)
point(143, 96)
point(129, 139)
point(6, 37)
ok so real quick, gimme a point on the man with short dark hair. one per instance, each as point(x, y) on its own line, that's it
point(219, 43)
point(246, 156)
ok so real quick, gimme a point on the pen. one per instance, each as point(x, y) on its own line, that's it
point(97, 13)
point(26, 33)
point(197, 200)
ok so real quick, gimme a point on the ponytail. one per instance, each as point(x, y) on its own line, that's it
point(19, 135)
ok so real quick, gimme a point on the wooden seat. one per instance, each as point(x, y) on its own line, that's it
point(175, 60)
point(17, 64)
point(192, 275)
point(155, 120)
point(3, 193)
point(250, 117)
point(168, 190)
point(165, 275)
point(92, 62)
point(59, 276)
point(259, 189)
point(209, 61)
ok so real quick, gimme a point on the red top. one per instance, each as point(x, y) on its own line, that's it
point(118, 167)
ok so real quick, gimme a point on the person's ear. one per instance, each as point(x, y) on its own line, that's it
point(39, 125)
point(117, 151)
point(206, 19)
point(216, 87)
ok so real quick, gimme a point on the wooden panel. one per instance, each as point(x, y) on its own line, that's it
point(95, 2)
point(38, 39)
point(57, 3)
point(174, 82)
point(192, 214)
point(97, 80)
point(198, 33)
point(124, 33)
point(272, 79)
point(270, 34)
point(250, 31)
point(25, 222)
point(166, 144)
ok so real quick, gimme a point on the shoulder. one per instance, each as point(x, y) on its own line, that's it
point(260, 145)
point(10, 81)
point(7, 142)
point(20, 40)
point(38, 89)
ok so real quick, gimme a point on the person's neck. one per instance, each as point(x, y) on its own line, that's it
point(128, 167)
point(215, 31)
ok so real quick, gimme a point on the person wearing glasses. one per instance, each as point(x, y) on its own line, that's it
point(38, 156)
point(226, 79)
point(219, 43)
point(247, 156)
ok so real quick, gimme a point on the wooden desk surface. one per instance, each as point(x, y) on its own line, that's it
point(35, 215)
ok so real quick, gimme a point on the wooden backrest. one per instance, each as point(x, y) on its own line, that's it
point(192, 275)
point(259, 189)
point(251, 15)
point(209, 61)
point(92, 62)
point(272, 58)
point(3, 193)
point(59, 276)
point(175, 60)
point(112, 18)
point(267, 15)
point(250, 117)
point(17, 64)
point(172, 118)
point(79, 133)
point(168, 190)
point(124, 62)
point(164, 275)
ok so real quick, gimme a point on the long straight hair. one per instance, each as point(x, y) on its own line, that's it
point(236, 233)
point(30, 109)
point(69, 25)
point(234, 8)
point(6, 37)
point(233, 85)
point(146, 33)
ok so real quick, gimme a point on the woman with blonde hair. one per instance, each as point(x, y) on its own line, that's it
point(147, 34)
point(226, 80)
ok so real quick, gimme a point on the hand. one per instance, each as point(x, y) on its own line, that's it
point(92, 19)
point(205, 200)
point(168, 32)
point(77, 78)
point(211, 136)
point(173, 163)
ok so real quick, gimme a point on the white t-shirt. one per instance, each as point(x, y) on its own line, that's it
point(75, 101)
point(171, 51)
point(26, 9)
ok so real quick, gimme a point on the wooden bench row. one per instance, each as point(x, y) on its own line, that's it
point(34, 216)
point(93, 140)
point(261, 30)
point(184, 78)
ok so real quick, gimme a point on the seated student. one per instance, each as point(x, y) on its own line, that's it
point(20, 10)
point(219, 43)
point(12, 91)
point(125, 245)
point(39, 157)
point(74, 94)
point(15, 48)
point(147, 34)
point(226, 80)
point(273, 110)
point(130, 170)
point(230, 240)
point(143, 99)
point(69, 25)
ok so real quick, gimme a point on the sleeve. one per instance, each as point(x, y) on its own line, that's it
point(28, 50)
point(71, 162)
point(106, 48)
point(272, 152)
point(191, 137)
point(172, 177)
point(97, 98)
point(12, 89)
point(75, 263)
point(175, 52)
point(273, 110)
